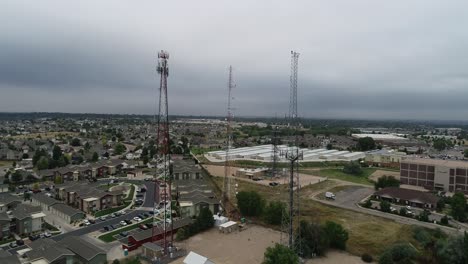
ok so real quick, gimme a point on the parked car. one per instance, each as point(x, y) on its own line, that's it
point(143, 227)
point(408, 207)
point(273, 184)
point(149, 225)
point(107, 228)
point(124, 234)
point(103, 218)
point(330, 195)
point(19, 242)
point(128, 221)
point(392, 209)
point(13, 244)
point(113, 226)
point(123, 223)
point(137, 219)
point(47, 234)
point(33, 237)
point(92, 221)
point(141, 216)
point(113, 215)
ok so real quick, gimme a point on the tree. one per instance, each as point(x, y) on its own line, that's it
point(314, 240)
point(75, 142)
point(398, 253)
point(424, 216)
point(116, 261)
point(25, 156)
point(205, 219)
point(440, 205)
point(119, 149)
point(403, 211)
point(440, 144)
point(35, 186)
point(337, 235)
point(385, 206)
point(386, 181)
point(353, 168)
point(458, 204)
point(465, 153)
point(87, 146)
point(329, 146)
point(444, 221)
point(366, 143)
point(250, 203)
point(280, 254)
point(274, 212)
point(58, 179)
point(95, 157)
point(56, 153)
point(16, 176)
point(27, 196)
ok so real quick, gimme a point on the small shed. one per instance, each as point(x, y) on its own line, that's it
point(152, 250)
point(194, 258)
point(228, 227)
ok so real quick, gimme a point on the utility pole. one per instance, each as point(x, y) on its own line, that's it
point(227, 165)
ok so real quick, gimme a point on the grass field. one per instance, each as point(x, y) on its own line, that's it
point(340, 175)
point(5, 163)
point(367, 234)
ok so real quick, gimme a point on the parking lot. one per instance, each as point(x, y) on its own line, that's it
point(349, 196)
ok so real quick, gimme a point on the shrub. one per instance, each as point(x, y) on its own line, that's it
point(367, 258)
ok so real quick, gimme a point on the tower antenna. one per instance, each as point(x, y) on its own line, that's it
point(227, 166)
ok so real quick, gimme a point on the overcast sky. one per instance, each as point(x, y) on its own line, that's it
point(359, 59)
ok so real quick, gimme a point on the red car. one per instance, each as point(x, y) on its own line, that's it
point(143, 227)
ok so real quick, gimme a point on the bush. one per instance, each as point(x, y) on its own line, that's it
point(250, 203)
point(367, 204)
point(367, 258)
point(386, 181)
point(280, 254)
point(444, 221)
point(353, 168)
point(385, 207)
point(337, 235)
point(274, 212)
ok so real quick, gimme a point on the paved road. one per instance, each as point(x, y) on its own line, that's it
point(98, 225)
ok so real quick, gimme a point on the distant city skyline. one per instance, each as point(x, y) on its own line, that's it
point(359, 60)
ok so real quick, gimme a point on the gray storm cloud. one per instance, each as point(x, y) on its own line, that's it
point(359, 59)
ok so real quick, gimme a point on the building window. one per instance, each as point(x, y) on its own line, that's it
point(430, 176)
point(422, 167)
point(430, 168)
point(404, 173)
point(413, 174)
point(460, 180)
point(404, 166)
point(452, 172)
point(422, 175)
point(413, 166)
point(451, 180)
point(461, 172)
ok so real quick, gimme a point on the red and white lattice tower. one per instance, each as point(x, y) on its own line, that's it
point(163, 166)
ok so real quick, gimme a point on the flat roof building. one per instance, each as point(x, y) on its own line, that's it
point(434, 174)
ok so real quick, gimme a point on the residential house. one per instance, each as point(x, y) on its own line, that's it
point(194, 195)
point(8, 202)
point(408, 197)
point(88, 198)
point(4, 225)
point(57, 207)
point(27, 219)
point(186, 170)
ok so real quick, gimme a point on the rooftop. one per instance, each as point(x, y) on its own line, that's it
point(446, 163)
point(408, 195)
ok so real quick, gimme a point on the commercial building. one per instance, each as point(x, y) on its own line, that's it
point(433, 174)
point(408, 197)
point(263, 153)
point(384, 158)
point(136, 240)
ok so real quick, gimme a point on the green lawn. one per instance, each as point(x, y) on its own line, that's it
point(131, 193)
point(109, 237)
point(111, 210)
point(106, 187)
point(5, 163)
point(340, 175)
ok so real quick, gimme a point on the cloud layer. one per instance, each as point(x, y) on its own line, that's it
point(359, 59)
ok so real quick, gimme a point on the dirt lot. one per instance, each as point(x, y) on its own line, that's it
point(379, 173)
point(304, 179)
point(248, 247)
point(334, 257)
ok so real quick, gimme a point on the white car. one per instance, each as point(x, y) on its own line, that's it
point(102, 218)
point(123, 223)
point(136, 218)
point(408, 207)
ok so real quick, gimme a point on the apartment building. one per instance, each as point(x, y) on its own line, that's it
point(434, 174)
point(186, 170)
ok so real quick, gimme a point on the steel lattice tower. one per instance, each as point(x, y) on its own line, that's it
point(227, 165)
point(164, 151)
point(293, 154)
point(274, 152)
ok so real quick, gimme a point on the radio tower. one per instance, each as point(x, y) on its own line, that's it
point(274, 152)
point(164, 152)
point(293, 154)
point(227, 165)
